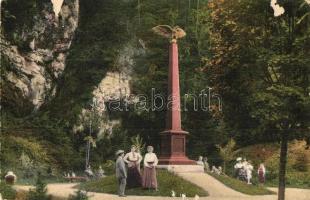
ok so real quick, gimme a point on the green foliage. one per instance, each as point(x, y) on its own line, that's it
point(302, 162)
point(7, 191)
point(166, 182)
point(96, 48)
point(297, 163)
point(151, 69)
point(40, 191)
point(263, 81)
point(94, 51)
point(109, 167)
point(18, 19)
point(258, 70)
point(108, 145)
point(298, 179)
point(24, 156)
point(242, 186)
point(79, 195)
point(91, 140)
point(227, 152)
point(138, 142)
point(269, 155)
point(293, 179)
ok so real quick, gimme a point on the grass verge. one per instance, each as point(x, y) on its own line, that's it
point(242, 186)
point(166, 183)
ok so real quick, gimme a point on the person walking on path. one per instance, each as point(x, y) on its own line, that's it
point(121, 173)
point(149, 173)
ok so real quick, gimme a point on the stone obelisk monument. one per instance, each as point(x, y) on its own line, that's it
point(173, 138)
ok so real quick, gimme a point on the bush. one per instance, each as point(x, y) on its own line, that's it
point(40, 192)
point(298, 179)
point(7, 191)
point(272, 167)
point(301, 162)
point(79, 195)
point(109, 167)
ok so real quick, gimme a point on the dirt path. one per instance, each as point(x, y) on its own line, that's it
point(216, 189)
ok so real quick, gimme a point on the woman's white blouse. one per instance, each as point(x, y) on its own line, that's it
point(132, 156)
point(150, 157)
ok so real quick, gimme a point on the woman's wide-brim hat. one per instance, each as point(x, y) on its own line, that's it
point(119, 152)
point(239, 159)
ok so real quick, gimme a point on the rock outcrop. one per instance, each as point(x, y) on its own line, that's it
point(33, 73)
point(113, 87)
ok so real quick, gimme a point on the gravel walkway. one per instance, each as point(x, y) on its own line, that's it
point(216, 189)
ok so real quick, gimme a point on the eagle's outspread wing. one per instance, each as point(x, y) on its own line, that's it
point(178, 32)
point(163, 30)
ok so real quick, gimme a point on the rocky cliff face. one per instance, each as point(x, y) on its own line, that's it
point(115, 85)
point(30, 75)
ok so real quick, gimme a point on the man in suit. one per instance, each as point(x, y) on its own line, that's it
point(121, 173)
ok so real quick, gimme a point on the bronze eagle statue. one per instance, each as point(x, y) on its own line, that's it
point(168, 32)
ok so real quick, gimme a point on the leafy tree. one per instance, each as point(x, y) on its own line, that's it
point(260, 66)
point(227, 152)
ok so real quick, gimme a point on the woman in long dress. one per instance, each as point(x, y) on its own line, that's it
point(261, 173)
point(149, 172)
point(249, 168)
point(133, 159)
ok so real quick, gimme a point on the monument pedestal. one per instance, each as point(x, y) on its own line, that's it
point(173, 148)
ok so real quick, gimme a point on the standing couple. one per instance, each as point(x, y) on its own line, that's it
point(133, 177)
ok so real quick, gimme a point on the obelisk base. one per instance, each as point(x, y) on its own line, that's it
point(182, 168)
point(173, 148)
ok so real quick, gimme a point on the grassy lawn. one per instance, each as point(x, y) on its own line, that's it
point(242, 186)
point(166, 182)
point(23, 181)
point(294, 179)
point(302, 183)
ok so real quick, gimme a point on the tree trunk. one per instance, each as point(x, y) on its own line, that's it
point(282, 165)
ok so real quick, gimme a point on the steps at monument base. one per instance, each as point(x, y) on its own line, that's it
point(182, 168)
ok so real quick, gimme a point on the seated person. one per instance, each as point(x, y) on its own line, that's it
point(200, 161)
point(206, 164)
point(89, 172)
point(100, 172)
point(10, 178)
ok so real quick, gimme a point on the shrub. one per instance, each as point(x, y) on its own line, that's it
point(109, 167)
point(301, 162)
point(272, 167)
point(40, 192)
point(79, 195)
point(7, 191)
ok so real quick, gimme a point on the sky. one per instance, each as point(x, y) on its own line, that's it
point(56, 6)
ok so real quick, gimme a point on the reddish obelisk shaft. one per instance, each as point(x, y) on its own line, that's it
point(173, 121)
point(173, 139)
